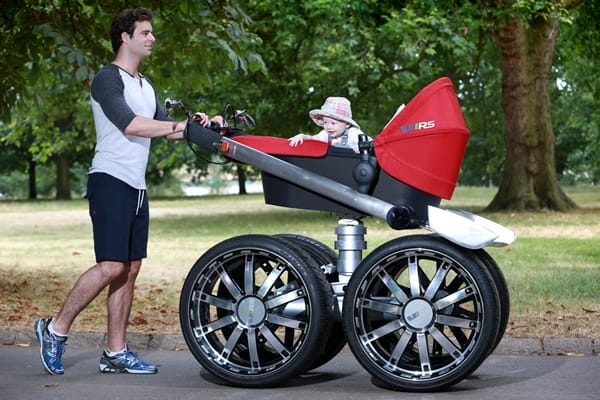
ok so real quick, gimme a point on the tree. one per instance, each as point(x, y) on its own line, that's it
point(526, 34)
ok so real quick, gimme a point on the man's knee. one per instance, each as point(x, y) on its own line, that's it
point(112, 269)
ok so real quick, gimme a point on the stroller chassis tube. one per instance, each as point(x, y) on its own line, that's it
point(307, 179)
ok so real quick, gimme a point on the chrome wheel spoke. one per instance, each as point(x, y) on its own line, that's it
point(232, 342)
point(249, 275)
point(274, 341)
point(228, 282)
point(218, 324)
point(270, 281)
point(284, 299)
point(287, 322)
point(384, 330)
point(393, 286)
point(413, 276)
point(453, 298)
point(217, 302)
point(437, 280)
point(382, 306)
point(400, 347)
point(423, 353)
point(465, 323)
point(253, 349)
point(445, 343)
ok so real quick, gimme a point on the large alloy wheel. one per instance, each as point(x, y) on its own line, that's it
point(420, 313)
point(253, 311)
point(326, 258)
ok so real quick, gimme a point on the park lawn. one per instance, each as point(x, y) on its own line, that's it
point(552, 270)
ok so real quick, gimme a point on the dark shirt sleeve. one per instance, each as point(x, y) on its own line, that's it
point(107, 90)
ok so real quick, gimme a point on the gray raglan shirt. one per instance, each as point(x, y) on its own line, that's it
point(117, 98)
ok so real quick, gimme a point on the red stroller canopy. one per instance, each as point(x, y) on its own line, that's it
point(424, 144)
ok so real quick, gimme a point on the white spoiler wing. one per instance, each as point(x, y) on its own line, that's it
point(468, 230)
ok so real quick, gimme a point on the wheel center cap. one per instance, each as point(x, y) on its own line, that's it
point(251, 311)
point(418, 314)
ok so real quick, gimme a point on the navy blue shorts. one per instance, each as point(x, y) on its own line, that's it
point(120, 219)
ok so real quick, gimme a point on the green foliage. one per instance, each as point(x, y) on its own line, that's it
point(545, 9)
point(50, 51)
point(378, 54)
point(575, 107)
point(281, 58)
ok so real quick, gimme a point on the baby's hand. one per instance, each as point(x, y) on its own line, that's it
point(294, 140)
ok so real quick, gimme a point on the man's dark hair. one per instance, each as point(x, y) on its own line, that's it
point(125, 22)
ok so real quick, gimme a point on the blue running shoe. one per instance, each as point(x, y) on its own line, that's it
point(126, 361)
point(51, 347)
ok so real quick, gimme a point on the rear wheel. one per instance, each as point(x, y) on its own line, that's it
point(326, 257)
point(253, 311)
point(421, 314)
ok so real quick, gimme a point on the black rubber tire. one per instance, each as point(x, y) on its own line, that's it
point(253, 311)
point(503, 292)
point(324, 255)
point(420, 313)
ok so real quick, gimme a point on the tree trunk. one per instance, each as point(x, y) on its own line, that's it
point(63, 184)
point(529, 180)
point(32, 179)
point(241, 172)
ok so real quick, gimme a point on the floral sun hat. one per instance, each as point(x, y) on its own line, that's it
point(336, 108)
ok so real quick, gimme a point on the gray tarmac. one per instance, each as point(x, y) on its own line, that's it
point(519, 369)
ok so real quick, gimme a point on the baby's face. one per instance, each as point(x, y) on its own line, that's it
point(333, 127)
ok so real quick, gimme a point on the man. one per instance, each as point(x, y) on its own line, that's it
point(127, 114)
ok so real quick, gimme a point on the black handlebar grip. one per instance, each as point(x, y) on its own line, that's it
point(204, 137)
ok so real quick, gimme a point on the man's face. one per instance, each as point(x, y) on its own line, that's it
point(140, 43)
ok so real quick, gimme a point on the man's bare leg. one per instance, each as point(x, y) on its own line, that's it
point(86, 289)
point(120, 298)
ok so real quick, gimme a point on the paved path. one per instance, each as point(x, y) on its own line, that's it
point(181, 377)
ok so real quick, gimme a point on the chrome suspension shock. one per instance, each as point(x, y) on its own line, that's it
point(350, 244)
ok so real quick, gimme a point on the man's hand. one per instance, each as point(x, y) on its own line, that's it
point(201, 118)
point(204, 120)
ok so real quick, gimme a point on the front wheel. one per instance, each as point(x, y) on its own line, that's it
point(420, 314)
point(503, 293)
point(254, 310)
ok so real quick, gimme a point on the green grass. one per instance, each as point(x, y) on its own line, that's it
point(552, 270)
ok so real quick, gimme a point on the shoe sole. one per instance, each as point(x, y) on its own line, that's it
point(40, 337)
point(107, 369)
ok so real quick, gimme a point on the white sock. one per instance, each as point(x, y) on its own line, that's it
point(53, 332)
point(114, 353)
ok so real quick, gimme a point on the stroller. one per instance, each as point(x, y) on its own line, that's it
point(420, 312)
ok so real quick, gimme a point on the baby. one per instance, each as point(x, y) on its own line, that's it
point(339, 129)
